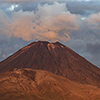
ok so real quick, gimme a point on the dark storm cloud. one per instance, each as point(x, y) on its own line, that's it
point(94, 51)
point(75, 7)
point(83, 8)
point(4, 6)
point(27, 7)
point(9, 46)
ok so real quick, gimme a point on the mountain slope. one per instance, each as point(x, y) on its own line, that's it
point(29, 84)
point(56, 58)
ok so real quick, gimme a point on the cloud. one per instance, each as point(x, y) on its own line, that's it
point(94, 52)
point(4, 22)
point(10, 45)
point(84, 8)
point(94, 19)
point(17, 1)
point(49, 22)
point(74, 6)
point(14, 1)
point(93, 22)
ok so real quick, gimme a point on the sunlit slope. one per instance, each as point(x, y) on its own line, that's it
point(29, 84)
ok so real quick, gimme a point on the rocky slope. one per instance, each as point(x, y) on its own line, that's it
point(56, 58)
point(29, 84)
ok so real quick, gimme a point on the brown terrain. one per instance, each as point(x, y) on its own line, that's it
point(56, 58)
point(29, 84)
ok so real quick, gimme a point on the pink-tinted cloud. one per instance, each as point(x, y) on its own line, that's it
point(93, 22)
point(49, 22)
point(94, 19)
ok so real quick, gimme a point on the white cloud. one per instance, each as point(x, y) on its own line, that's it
point(12, 7)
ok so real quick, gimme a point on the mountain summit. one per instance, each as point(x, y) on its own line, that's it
point(56, 58)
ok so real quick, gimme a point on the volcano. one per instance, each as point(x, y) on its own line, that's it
point(56, 58)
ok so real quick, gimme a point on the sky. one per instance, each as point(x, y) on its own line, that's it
point(75, 23)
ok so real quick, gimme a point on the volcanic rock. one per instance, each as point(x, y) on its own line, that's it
point(29, 84)
point(56, 58)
